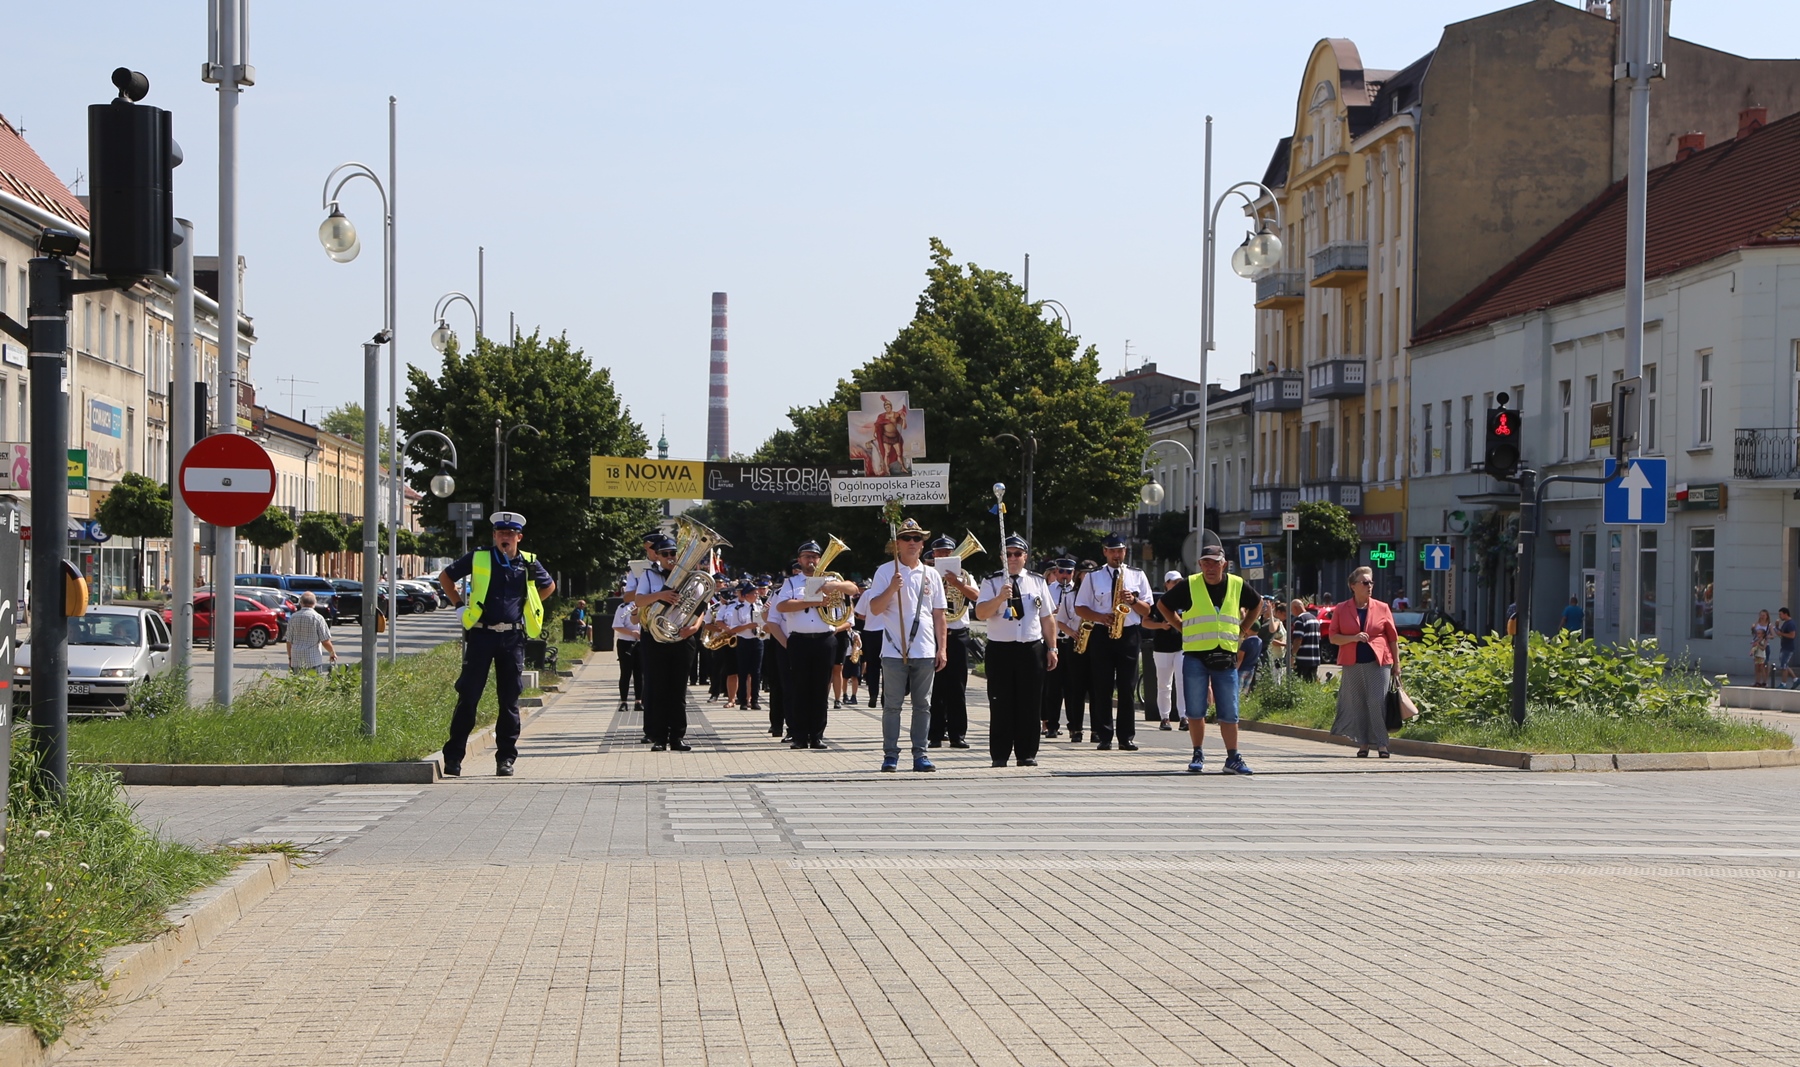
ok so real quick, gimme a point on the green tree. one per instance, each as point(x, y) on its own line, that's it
point(346, 420)
point(978, 360)
point(409, 542)
point(1326, 535)
point(555, 387)
point(138, 507)
point(320, 533)
point(270, 530)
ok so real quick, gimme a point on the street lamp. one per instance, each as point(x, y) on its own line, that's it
point(1260, 250)
point(338, 236)
point(1027, 464)
point(444, 336)
point(503, 458)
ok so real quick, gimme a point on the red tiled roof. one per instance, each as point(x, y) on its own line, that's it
point(26, 176)
point(1743, 192)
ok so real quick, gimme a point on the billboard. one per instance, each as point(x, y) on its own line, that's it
point(887, 435)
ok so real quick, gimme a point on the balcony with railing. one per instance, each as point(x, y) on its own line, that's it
point(1336, 378)
point(1279, 289)
point(1282, 390)
point(1344, 493)
point(1269, 501)
point(1766, 453)
point(1340, 263)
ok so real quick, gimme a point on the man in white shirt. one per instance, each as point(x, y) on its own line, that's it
point(811, 644)
point(665, 664)
point(308, 634)
point(906, 602)
point(1015, 604)
point(1113, 664)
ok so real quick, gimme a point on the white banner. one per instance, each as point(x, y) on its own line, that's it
point(929, 483)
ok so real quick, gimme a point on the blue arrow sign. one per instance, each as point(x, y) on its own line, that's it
point(1640, 498)
point(1250, 555)
point(1437, 557)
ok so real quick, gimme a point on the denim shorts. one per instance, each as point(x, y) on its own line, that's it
point(1204, 686)
point(1784, 659)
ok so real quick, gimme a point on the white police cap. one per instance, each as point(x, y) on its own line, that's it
point(507, 520)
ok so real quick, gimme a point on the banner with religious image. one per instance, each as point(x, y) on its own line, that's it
point(887, 435)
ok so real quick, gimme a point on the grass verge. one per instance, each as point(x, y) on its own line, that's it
point(289, 719)
point(1576, 729)
point(80, 877)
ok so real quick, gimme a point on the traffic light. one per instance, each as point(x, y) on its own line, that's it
point(1502, 457)
point(131, 209)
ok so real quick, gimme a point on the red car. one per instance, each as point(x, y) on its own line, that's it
point(255, 625)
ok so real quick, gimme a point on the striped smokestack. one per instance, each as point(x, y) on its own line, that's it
point(718, 392)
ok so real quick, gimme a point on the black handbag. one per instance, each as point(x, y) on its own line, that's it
point(1391, 712)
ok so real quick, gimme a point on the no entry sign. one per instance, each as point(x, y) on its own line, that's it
point(227, 480)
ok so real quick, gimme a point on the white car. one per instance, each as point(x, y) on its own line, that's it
point(111, 650)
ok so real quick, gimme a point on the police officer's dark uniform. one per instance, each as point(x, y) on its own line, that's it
point(950, 688)
point(811, 641)
point(1016, 606)
point(505, 606)
point(1113, 662)
point(1058, 575)
point(665, 663)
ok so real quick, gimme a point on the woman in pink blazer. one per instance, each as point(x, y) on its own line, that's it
point(1368, 646)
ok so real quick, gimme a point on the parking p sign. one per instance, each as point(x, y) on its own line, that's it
point(1250, 556)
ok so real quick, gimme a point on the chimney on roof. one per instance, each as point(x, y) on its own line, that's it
point(1689, 144)
point(1752, 119)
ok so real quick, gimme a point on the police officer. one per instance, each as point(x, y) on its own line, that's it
point(665, 663)
point(811, 641)
point(507, 587)
point(1015, 604)
point(949, 690)
point(1113, 664)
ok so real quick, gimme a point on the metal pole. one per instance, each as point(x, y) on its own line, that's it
point(480, 293)
point(1030, 491)
point(48, 317)
point(224, 616)
point(1207, 245)
point(1293, 588)
point(499, 469)
point(1640, 48)
point(1528, 518)
point(181, 602)
point(393, 303)
point(371, 539)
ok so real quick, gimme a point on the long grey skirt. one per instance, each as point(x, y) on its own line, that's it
point(1362, 704)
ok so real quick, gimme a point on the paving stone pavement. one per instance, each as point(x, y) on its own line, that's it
point(751, 904)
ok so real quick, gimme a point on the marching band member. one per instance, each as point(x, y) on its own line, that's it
point(1015, 603)
point(949, 690)
point(665, 664)
point(1113, 662)
point(1059, 579)
point(811, 643)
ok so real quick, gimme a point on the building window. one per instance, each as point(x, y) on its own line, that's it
point(87, 326)
point(1394, 440)
point(22, 424)
point(1565, 392)
point(1375, 451)
point(1426, 451)
point(4, 384)
point(1468, 444)
point(1704, 416)
point(1593, 397)
point(1647, 582)
point(1449, 449)
point(1700, 583)
point(1651, 442)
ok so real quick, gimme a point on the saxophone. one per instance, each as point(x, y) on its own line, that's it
point(1081, 637)
point(1116, 628)
point(694, 544)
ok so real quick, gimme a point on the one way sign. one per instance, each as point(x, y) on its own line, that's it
point(1640, 498)
point(1437, 557)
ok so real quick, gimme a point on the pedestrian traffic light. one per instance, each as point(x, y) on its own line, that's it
point(131, 206)
point(1502, 456)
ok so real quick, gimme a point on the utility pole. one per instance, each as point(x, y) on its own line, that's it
point(181, 598)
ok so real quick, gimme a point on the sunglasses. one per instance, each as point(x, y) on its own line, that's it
point(911, 538)
point(1015, 555)
point(1362, 581)
point(670, 554)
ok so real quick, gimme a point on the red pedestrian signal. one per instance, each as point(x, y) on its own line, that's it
point(1502, 457)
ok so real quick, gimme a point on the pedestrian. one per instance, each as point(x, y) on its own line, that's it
point(811, 643)
point(1060, 574)
point(308, 634)
point(906, 601)
point(949, 690)
point(1759, 647)
point(625, 642)
point(1784, 653)
point(775, 668)
point(666, 663)
point(722, 622)
point(1116, 595)
point(584, 626)
point(1572, 616)
point(1305, 628)
point(1275, 651)
point(505, 606)
point(853, 664)
point(871, 642)
point(752, 627)
point(1250, 649)
point(1076, 666)
point(1400, 601)
point(1368, 644)
point(1214, 610)
point(1015, 604)
point(1165, 652)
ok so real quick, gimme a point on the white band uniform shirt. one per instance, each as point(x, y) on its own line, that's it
point(921, 583)
point(649, 580)
point(1096, 593)
point(962, 624)
point(1062, 600)
point(1034, 592)
point(808, 621)
point(623, 620)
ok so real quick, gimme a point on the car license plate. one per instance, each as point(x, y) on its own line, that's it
point(80, 689)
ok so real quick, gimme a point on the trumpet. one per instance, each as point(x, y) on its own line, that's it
point(957, 605)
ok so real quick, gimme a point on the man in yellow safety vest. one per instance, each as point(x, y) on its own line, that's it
point(1214, 611)
point(507, 587)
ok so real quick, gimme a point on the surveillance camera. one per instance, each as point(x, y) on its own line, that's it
point(58, 243)
point(383, 337)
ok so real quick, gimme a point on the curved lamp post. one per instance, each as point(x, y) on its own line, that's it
point(444, 336)
point(1152, 493)
point(503, 458)
point(1260, 250)
point(442, 485)
point(1062, 314)
point(1028, 446)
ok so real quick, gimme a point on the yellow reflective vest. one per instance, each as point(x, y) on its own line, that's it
point(483, 570)
point(1205, 627)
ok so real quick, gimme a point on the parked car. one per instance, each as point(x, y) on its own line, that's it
point(415, 597)
point(297, 584)
point(112, 650)
point(1412, 624)
point(253, 624)
point(349, 597)
point(282, 604)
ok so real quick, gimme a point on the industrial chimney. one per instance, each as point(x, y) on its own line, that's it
point(718, 392)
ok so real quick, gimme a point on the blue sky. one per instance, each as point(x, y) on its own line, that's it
point(622, 162)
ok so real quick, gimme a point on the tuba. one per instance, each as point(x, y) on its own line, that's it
point(957, 605)
point(693, 586)
point(836, 608)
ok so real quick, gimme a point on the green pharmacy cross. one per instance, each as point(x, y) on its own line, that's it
point(1382, 555)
